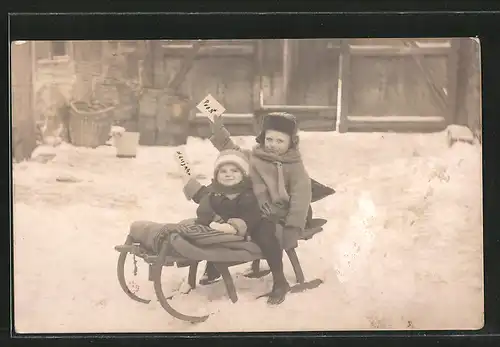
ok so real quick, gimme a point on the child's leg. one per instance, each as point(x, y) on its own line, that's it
point(265, 237)
point(211, 274)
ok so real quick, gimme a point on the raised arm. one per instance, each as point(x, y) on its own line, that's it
point(194, 190)
point(221, 138)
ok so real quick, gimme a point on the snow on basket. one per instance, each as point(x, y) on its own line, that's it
point(90, 123)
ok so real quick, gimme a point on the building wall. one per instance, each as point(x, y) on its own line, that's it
point(23, 126)
point(469, 109)
point(83, 73)
point(312, 77)
point(236, 74)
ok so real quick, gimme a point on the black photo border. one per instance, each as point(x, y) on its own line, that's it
point(271, 19)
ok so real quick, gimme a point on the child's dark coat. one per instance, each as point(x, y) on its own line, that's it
point(242, 212)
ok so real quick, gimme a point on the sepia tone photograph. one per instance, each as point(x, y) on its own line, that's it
point(247, 185)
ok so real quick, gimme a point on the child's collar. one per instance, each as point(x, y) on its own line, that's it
point(291, 156)
point(244, 185)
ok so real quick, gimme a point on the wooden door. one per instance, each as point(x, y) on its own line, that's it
point(224, 68)
point(396, 84)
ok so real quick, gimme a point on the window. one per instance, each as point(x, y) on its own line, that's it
point(52, 50)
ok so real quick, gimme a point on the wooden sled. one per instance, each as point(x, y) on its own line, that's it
point(158, 261)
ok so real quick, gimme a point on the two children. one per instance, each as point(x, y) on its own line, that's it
point(232, 207)
point(280, 183)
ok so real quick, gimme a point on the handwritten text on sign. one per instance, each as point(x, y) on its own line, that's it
point(211, 107)
point(182, 161)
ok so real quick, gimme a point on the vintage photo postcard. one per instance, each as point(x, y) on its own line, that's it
point(247, 185)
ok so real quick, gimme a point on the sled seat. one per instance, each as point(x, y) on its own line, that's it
point(186, 248)
point(184, 252)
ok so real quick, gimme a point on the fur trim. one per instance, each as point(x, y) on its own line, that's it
point(280, 121)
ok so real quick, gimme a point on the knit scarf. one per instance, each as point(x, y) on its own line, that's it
point(291, 156)
point(244, 185)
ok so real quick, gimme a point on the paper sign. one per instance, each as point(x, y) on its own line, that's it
point(183, 162)
point(210, 107)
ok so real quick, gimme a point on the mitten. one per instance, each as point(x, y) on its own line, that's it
point(290, 237)
point(217, 124)
point(266, 208)
point(223, 227)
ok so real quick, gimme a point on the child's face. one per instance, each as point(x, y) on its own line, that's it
point(276, 142)
point(229, 175)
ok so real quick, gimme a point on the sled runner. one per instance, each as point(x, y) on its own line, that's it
point(184, 244)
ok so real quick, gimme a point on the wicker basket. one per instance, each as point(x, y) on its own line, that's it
point(89, 128)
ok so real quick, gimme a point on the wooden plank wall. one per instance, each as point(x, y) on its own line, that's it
point(313, 79)
point(228, 77)
point(235, 71)
point(382, 86)
point(23, 123)
point(88, 65)
point(230, 81)
point(314, 73)
point(468, 108)
point(225, 69)
point(271, 70)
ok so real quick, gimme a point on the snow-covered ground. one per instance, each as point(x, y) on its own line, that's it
point(402, 248)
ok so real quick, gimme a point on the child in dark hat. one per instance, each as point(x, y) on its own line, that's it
point(232, 207)
point(280, 180)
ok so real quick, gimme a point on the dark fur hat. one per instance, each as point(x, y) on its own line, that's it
point(280, 121)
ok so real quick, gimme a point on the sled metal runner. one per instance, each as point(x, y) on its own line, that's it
point(156, 264)
point(158, 261)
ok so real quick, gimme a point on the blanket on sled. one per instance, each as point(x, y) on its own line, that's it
point(193, 241)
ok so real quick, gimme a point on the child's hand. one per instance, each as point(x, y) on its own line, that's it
point(217, 124)
point(291, 236)
point(266, 208)
point(223, 227)
point(185, 178)
point(292, 232)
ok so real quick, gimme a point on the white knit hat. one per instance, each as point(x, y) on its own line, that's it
point(231, 156)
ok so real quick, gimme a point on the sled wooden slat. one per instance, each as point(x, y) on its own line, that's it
point(192, 275)
point(294, 259)
point(228, 281)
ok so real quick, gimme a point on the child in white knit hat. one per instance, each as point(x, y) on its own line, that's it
point(232, 207)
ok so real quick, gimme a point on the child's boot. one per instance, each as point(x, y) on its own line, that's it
point(210, 276)
point(280, 289)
